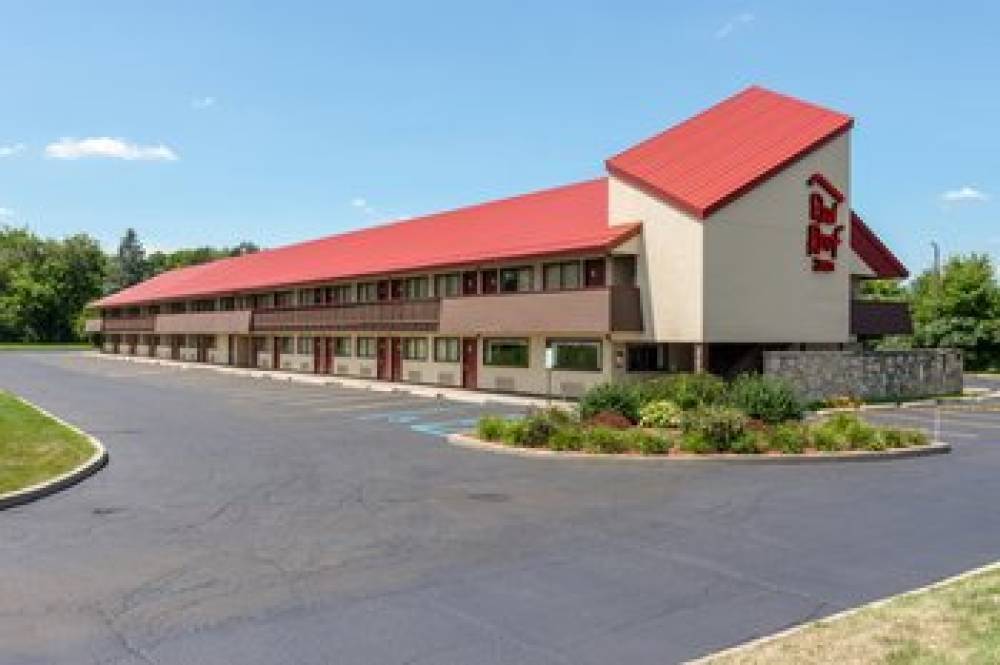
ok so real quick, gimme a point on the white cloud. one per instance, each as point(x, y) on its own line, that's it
point(965, 193)
point(362, 204)
point(11, 149)
point(6, 213)
point(732, 24)
point(104, 146)
point(203, 103)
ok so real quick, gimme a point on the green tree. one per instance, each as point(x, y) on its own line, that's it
point(131, 259)
point(961, 309)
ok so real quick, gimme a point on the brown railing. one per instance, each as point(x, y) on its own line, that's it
point(204, 323)
point(402, 315)
point(592, 310)
point(880, 317)
point(136, 324)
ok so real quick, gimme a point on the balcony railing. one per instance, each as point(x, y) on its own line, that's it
point(398, 315)
point(588, 311)
point(880, 317)
point(133, 324)
point(204, 323)
point(93, 325)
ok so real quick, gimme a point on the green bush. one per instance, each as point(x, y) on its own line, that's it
point(653, 444)
point(789, 438)
point(491, 428)
point(766, 398)
point(661, 413)
point(605, 440)
point(697, 443)
point(748, 443)
point(568, 437)
point(688, 391)
point(538, 427)
point(915, 437)
point(828, 439)
point(514, 433)
point(895, 437)
point(718, 425)
point(620, 398)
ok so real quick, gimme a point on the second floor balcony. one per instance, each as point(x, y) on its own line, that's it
point(389, 315)
point(128, 324)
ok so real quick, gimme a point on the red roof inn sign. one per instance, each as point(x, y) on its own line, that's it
point(823, 236)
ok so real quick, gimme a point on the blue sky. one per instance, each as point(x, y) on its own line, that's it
point(277, 122)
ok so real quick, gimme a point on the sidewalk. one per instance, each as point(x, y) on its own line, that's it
point(438, 392)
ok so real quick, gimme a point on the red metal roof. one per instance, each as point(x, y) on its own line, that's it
point(704, 163)
point(873, 251)
point(573, 218)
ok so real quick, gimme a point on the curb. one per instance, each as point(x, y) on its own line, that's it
point(934, 448)
point(37, 491)
point(417, 390)
point(843, 614)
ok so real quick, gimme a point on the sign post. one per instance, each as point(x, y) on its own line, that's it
point(550, 361)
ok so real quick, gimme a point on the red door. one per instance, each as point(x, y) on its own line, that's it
point(594, 272)
point(397, 289)
point(318, 356)
point(382, 360)
point(470, 359)
point(470, 283)
point(175, 347)
point(153, 343)
point(276, 353)
point(328, 356)
point(397, 359)
point(489, 281)
point(383, 290)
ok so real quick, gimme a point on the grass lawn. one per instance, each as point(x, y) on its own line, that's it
point(957, 622)
point(42, 346)
point(34, 447)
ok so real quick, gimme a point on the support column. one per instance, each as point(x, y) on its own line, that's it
point(701, 357)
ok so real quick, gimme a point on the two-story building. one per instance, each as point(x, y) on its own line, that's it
point(728, 234)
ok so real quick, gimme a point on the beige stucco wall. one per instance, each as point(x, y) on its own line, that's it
point(669, 268)
point(534, 378)
point(759, 283)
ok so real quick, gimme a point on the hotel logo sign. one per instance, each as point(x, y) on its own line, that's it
point(823, 236)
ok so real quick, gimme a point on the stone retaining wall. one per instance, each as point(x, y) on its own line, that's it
point(913, 373)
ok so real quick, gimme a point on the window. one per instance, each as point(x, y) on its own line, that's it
point(646, 358)
point(367, 292)
point(227, 304)
point(416, 288)
point(513, 280)
point(262, 300)
point(309, 296)
point(339, 294)
point(305, 346)
point(342, 346)
point(283, 298)
point(209, 341)
point(286, 344)
point(446, 349)
point(415, 348)
point(447, 286)
point(577, 354)
point(177, 308)
point(505, 352)
point(191, 341)
point(366, 347)
point(565, 275)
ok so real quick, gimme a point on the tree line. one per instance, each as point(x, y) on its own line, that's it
point(956, 306)
point(46, 284)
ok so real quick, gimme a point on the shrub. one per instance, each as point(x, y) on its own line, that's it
point(537, 428)
point(843, 402)
point(695, 442)
point(827, 439)
point(605, 440)
point(718, 425)
point(491, 428)
point(765, 397)
point(618, 397)
point(569, 437)
point(514, 433)
point(688, 391)
point(894, 437)
point(915, 437)
point(748, 443)
point(661, 413)
point(789, 438)
point(652, 444)
point(611, 419)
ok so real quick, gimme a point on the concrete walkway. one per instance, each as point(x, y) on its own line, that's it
point(417, 390)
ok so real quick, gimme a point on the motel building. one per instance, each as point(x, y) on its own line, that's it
point(700, 248)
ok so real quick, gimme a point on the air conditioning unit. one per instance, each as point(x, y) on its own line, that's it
point(414, 376)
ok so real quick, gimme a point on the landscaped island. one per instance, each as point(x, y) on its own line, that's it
point(34, 447)
point(694, 414)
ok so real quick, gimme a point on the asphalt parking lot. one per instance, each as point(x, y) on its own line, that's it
point(246, 521)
